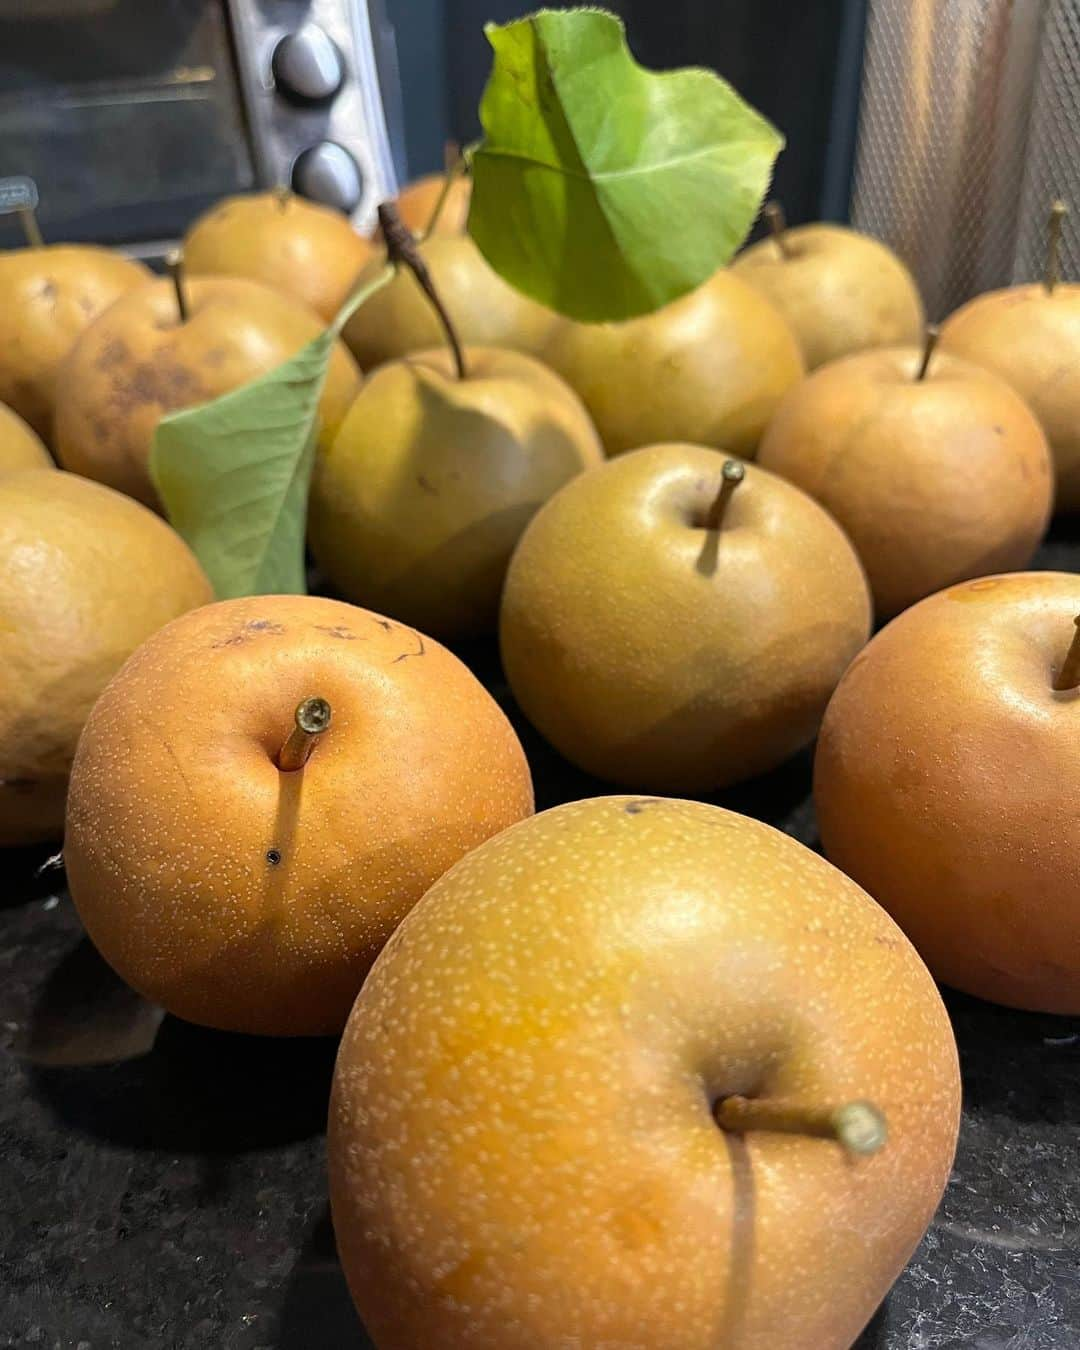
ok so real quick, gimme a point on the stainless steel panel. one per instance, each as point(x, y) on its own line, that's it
point(353, 118)
point(969, 126)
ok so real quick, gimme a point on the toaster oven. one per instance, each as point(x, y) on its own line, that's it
point(132, 117)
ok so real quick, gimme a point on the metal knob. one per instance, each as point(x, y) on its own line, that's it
point(327, 173)
point(307, 65)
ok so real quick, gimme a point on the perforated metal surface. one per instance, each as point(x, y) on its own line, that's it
point(1052, 163)
point(969, 127)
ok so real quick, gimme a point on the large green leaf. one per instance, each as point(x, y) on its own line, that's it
point(602, 189)
point(233, 475)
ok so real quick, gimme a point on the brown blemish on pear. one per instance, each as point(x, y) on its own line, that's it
point(142, 360)
point(48, 296)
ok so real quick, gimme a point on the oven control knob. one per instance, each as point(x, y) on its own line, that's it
point(307, 65)
point(327, 173)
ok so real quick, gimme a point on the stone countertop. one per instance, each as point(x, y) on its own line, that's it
point(162, 1185)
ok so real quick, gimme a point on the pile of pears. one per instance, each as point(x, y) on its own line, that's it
point(681, 529)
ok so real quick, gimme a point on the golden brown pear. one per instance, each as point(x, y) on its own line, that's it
point(669, 628)
point(298, 247)
point(20, 446)
point(141, 360)
point(841, 291)
point(228, 878)
point(946, 781)
point(48, 296)
point(522, 1146)
point(485, 310)
point(85, 576)
point(935, 480)
point(417, 505)
point(418, 200)
point(1031, 338)
point(710, 368)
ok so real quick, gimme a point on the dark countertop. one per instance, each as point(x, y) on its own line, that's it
point(162, 1185)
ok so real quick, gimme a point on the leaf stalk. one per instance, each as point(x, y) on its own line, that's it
point(456, 167)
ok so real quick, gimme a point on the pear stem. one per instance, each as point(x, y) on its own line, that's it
point(32, 230)
point(455, 166)
point(175, 265)
point(1058, 212)
point(283, 195)
point(933, 332)
point(312, 719)
point(859, 1127)
point(1068, 676)
point(401, 248)
point(777, 223)
point(731, 475)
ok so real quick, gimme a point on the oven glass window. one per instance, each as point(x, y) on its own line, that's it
point(127, 113)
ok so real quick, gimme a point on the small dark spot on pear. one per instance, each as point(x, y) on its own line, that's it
point(336, 630)
point(1000, 431)
point(639, 804)
point(427, 485)
point(273, 856)
point(817, 932)
point(249, 629)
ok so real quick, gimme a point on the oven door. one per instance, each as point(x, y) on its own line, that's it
point(127, 114)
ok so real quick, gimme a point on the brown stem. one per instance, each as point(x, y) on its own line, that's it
point(283, 195)
point(31, 228)
point(933, 332)
point(401, 248)
point(175, 265)
point(777, 223)
point(731, 475)
point(1068, 676)
point(312, 719)
point(860, 1127)
point(1058, 212)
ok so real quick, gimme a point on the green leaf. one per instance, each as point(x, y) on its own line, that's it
point(602, 189)
point(233, 474)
